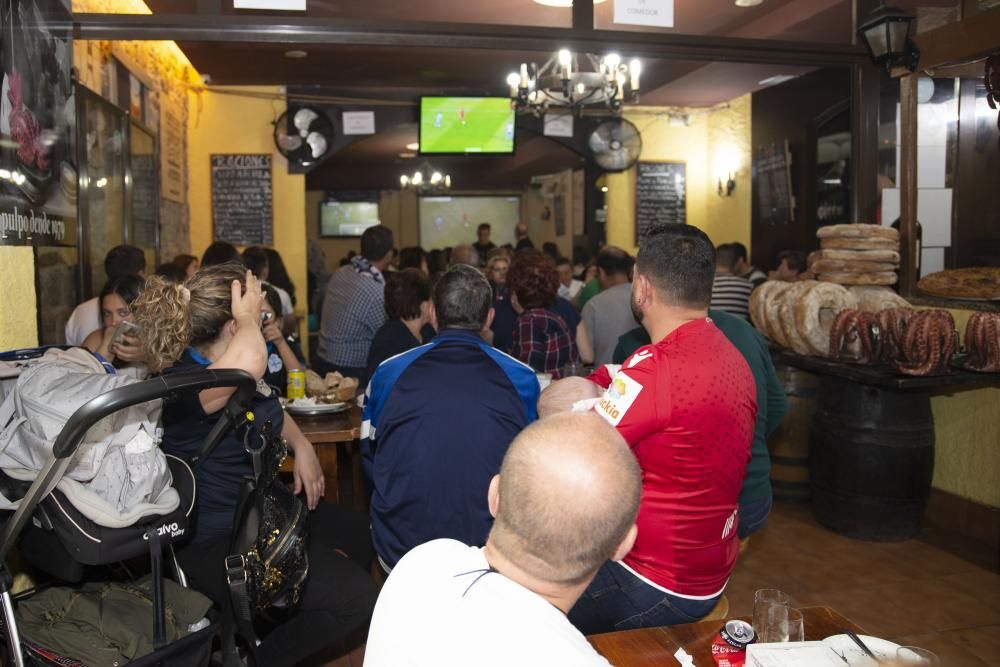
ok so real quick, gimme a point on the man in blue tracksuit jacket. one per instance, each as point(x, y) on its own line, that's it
point(437, 422)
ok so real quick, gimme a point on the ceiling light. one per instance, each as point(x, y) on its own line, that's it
point(573, 82)
point(425, 180)
point(561, 3)
point(748, 3)
point(776, 79)
point(296, 54)
point(413, 146)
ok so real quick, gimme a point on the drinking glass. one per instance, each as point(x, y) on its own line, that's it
point(574, 369)
point(792, 625)
point(917, 657)
point(764, 619)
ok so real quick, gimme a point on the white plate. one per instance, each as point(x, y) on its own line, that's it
point(317, 409)
point(852, 653)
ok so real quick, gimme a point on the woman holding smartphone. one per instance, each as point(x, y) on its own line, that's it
point(117, 342)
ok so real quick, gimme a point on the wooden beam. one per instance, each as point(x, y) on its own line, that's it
point(971, 38)
point(193, 28)
point(907, 169)
point(864, 142)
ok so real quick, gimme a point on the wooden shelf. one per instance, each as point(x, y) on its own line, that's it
point(885, 376)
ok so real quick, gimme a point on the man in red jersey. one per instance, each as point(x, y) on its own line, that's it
point(686, 406)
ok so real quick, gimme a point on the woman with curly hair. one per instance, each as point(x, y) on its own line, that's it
point(213, 320)
point(541, 338)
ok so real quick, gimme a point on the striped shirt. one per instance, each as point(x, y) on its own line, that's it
point(731, 294)
point(353, 312)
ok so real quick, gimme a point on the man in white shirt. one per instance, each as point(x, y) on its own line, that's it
point(121, 261)
point(569, 287)
point(565, 501)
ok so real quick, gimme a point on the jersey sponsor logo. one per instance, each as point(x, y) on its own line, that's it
point(274, 363)
point(727, 529)
point(618, 398)
point(639, 357)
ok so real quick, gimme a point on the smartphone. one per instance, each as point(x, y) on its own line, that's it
point(125, 328)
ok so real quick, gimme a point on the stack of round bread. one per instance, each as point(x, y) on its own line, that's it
point(798, 315)
point(856, 255)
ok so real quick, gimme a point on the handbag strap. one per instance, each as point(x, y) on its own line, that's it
point(234, 415)
point(236, 566)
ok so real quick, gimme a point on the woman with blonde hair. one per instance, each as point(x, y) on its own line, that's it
point(213, 320)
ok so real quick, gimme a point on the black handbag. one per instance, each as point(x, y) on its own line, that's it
point(268, 562)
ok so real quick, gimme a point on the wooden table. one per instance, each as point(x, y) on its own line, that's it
point(325, 432)
point(656, 646)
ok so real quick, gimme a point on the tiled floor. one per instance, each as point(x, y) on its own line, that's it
point(908, 592)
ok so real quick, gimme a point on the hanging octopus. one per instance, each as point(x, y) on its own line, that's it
point(928, 343)
point(25, 128)
point(982, 342)
point(889, 337)
point(852, 337)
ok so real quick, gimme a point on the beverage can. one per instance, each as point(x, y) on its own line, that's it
point(730, 646)
point(296, 384)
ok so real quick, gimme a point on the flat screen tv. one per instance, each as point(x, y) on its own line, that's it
point(449, 221)
point(466, 125)
point(348, 215)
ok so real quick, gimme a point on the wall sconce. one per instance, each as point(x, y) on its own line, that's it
point(886, 33)
point(727, 165)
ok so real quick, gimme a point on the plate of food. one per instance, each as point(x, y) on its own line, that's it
point(311, 406)
point(853, 655)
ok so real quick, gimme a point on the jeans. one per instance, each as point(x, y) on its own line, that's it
point(753, 516)
point(618, 600)
point(338, 597)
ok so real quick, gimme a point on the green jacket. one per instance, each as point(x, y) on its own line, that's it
point(771, 402)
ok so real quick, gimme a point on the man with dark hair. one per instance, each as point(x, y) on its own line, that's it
point(437, 422)
point(791, 266)
point(354, 306)
point(565, 501)
point(686, 405)
point(220, 252)
point(569, 286)
point(120, 262)
point(608, 315)
point(730, 292)
point(483, 245)
point(744, 268)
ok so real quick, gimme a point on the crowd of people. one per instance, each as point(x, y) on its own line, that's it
point(611, 501)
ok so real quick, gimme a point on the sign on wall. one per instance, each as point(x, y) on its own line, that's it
point(38, 179)
point(242, 209)
point(657, 13)
point(172, 155)
point(660, 195)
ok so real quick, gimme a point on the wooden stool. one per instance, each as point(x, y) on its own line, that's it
point(720, 612)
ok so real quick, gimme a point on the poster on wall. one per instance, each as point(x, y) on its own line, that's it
point(37, 165)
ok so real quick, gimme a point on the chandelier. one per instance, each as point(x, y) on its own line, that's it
point(561, 83)
point(425, 179)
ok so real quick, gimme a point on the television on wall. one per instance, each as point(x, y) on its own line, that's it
point(466, 125)
point(347, 214)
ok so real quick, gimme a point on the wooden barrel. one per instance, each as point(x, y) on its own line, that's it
point(872, 458)
point(789, 444)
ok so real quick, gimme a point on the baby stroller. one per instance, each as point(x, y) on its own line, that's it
point(59, 540)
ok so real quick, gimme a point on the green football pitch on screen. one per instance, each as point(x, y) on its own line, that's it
point(466, 125)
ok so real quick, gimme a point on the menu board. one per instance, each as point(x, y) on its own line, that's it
point(242, 211)
point(773, 179)
point(659, 195)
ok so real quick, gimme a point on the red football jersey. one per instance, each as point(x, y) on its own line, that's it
point(686, 406)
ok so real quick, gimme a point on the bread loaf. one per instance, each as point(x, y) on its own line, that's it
point(859, 244)
point(873, 299)
point(857, 231)
point(851, 266)
point(841, 278)
point(889, 256)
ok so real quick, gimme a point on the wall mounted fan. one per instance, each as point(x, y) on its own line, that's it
point(304, 135)
point(615, 144)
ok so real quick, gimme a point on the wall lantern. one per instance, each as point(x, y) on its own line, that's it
point(886, 33)
point(727, 161)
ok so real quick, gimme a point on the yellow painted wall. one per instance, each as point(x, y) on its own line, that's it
point(967, 434)
point(19, 319)
point(701, 146)
point(221, 123)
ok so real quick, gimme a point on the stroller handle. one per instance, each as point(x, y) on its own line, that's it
point(109, 402)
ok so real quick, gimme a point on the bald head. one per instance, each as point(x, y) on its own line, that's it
point(464, 254)
point(562, 394)
point(568, 494)
point(520, 231)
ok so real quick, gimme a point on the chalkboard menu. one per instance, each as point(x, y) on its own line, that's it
point(659, 195)
point(242, 212)
point(772, 175)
